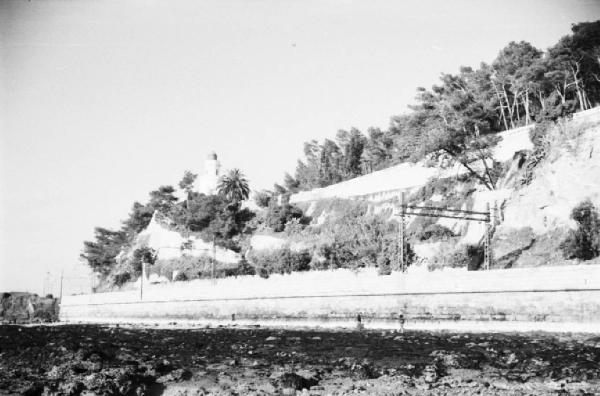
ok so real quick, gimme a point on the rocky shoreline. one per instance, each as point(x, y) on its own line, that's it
point(118, 360)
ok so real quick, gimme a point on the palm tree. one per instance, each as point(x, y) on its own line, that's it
point(234, 186)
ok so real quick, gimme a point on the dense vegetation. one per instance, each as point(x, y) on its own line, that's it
point(219, 217)
point(584, 242)
point(459, 115)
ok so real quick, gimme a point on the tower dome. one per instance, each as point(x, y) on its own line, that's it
point(209, 179)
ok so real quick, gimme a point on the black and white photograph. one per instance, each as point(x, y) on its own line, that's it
point(299, 197)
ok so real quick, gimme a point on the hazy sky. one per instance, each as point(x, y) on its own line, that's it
point(103, 101)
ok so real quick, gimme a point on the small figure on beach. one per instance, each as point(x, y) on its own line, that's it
point(401, 321)
point(359, 325)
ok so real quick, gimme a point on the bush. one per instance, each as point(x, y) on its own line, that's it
point(263, 198)
point(539, 132)
point(294, 226)
point(244, 268)
point(281, 261)
point(121, 278)
point(143, 255)
point(434, 231)
point(584, 242)
point(384, 265)
point(322, 260)
point(278, 216)
point(447, 187)
point(469, 256)
point(188, 268)
point(553, 113)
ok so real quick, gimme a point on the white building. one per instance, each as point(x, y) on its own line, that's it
point(209, 179)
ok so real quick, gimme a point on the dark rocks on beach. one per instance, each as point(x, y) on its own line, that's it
point(62, 360)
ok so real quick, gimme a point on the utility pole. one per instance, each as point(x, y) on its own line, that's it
point(214, 257)
point(62, 274)
point(488, 237)
point(402, 233)
point(142, 280)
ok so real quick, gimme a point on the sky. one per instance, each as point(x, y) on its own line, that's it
point(103, 101)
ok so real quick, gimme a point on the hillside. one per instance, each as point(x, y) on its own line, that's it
point(533, 218)
point(534, 201)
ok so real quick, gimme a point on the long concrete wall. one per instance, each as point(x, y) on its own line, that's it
point(387, 183)
point(548, 294)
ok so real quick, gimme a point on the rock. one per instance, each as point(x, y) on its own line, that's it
point(271, 338)
point(295, 381)
point(34, 389)
point(163, 367)
point(509, 243)
point(72, 388)
point(364, 370)
point(500, 385)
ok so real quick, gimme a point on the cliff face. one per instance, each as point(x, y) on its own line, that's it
point(536, 217)
point(172, 244)
point(569, 175)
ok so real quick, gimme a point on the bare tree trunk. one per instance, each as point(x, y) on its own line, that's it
point(510, 113)
point(542, 100)
point(487, 170)
point(575, 73)
point(526, 106)
point(501, 107)
point(515, 106)
point(562, 97)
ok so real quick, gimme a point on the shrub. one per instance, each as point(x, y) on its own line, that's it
point(121, 278)
point(447, 188)
point(294, 226)
point(539, 131)
point(553, 113)
point(188, 268)
point(322, 258)
point(244, 268)
point(187, 245)
point(384, 265)
point(143, 255)
point(279, 215)
point(469, 256)
point(584, 242)
point(434, 231)
point(280, 261)
point(263, 198)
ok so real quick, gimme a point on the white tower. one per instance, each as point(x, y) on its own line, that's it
point(209, 179)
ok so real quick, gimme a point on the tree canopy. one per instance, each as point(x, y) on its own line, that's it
point(234, 186)
point(461, 114)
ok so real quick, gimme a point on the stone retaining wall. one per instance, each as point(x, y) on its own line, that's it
point(552, 294)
